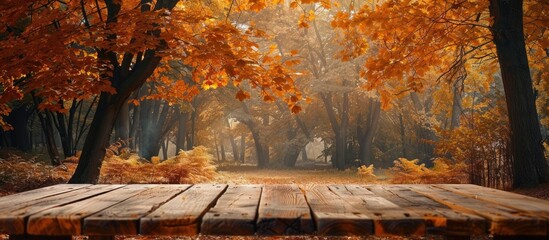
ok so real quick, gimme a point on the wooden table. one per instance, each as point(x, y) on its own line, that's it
point(102, 211)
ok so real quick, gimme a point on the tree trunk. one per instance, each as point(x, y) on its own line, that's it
point(456, 107)
point(191, 133)
point(222, 149)
point(265, 144)
point(242, 148)
point(403, 136)
point(291, 155)
point(366, 137)
point(126, 77)
point(530, 167)
point(304, 156)
point(49, 137)
point(338, 159)
point(232, 141)
point(122, 125)
point(262, 159)
point(216, 144)
point(19, 137)
point(181, 131)
point(97, 140)
point(165, 147)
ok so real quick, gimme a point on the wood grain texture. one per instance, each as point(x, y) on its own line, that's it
point(283, 210)
point(439, 219)
point(182, 214)
point(37, 237)
point(534, 206)
point(502, 220)
point(234, 213)
point(13, 219)
point(102, 211)
point(20, 198)
point(333, 216)
point(67, 219)
point(388, 218)
point(123, 218)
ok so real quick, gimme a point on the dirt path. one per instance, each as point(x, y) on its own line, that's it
point(302, 176)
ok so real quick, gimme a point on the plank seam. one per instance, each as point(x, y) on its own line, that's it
point(209, 207)
point(26, 218)
point(138, 228)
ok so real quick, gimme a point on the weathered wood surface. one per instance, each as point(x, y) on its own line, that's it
point(102, 211)
point(512, 200)
point(333, 216)
point(388, 218)
point(439, 219)
point(283, 210)
point(12, 219)
point(33, 195)
point(67, 219)
point(503, 221)
point(182, 214)
point(123, 218)
point(234, 213)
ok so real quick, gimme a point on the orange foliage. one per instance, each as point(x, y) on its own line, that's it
point(483, 144)
point(415, 44)
point(64, 50)
point(409, 171)
point(192, 166)
point(366, 172)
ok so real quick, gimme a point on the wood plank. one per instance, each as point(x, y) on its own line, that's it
point(283, 210)
point(533, 206)
point(13, 219)
point(502, 220)
point(67, 219)
point(333, 216)
point(234, 213)
point(388, 218)
point(439, 219)
point(182, 214)
point(35, 237)
point(22, 197)
point(123, 218)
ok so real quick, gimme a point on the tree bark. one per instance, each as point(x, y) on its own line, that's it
point(242, 147)
point(366, 135)
point(529, 165)
point(262, 159)
point(456, 107)
point(47, 130)
point(122, 125)
point(232, 141)
point(125, 78)
point(338, 159)
point(222, 149)
point(181, 131)
point(403, 136)
point(19, 119)
point(97, 141)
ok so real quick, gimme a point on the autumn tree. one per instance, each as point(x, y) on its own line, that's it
point(111, 48)
point(422, 38)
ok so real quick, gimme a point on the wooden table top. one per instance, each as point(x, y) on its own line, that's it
point(218, 209)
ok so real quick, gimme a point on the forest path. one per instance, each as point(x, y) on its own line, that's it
point(305, 175)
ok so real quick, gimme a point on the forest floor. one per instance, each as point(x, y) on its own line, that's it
point(301, 175)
